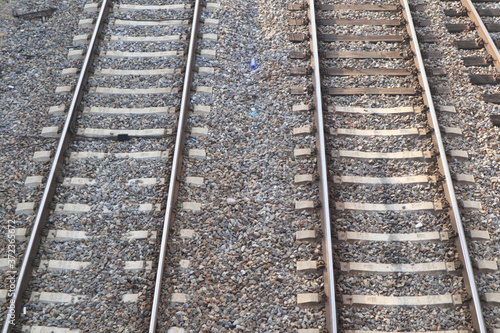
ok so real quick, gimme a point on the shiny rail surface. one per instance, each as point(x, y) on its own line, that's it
point(55, 171)
point(482, 31)
point(468, 274)
point(173, 188)
point(329, 283)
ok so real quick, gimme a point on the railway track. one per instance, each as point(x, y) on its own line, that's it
point(478, 29)
point(395, 215)
point(124, 134)
point(243, 254)
point(475, 25)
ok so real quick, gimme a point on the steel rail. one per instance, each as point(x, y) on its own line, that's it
point(456, 220)
point(55, 170)
point(483, 32)
point(173, 187)
point(329, 283)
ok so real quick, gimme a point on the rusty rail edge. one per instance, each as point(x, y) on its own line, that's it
point(468, 274)
point(329, 283)
point(55, 170)
point(173, 187)
point(483, 32)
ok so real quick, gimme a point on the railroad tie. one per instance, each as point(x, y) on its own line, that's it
point(142, 234)
point(32, 181)
point(306, 236)
point(308, 299)
point(211, 54)
point(63, 265)
point(66, 235)
point(73, 71)
point(42, 156)
point(446, 299)
point(300, 153)
point(86, 23)
point(196, 181)
point(202, 109)
point(381, 111)
point(303, 179)
point(187, 233)
point(57, 110)
point(361, 267)
point(58, 298)
point(393, 237)
point(301, 108)
point(25, 208)
point(75, 54)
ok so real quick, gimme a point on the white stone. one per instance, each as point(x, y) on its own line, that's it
point(184, 264)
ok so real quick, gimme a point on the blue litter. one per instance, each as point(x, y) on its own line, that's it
point(253, 111)
point(253, 64)
point(192, 139)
